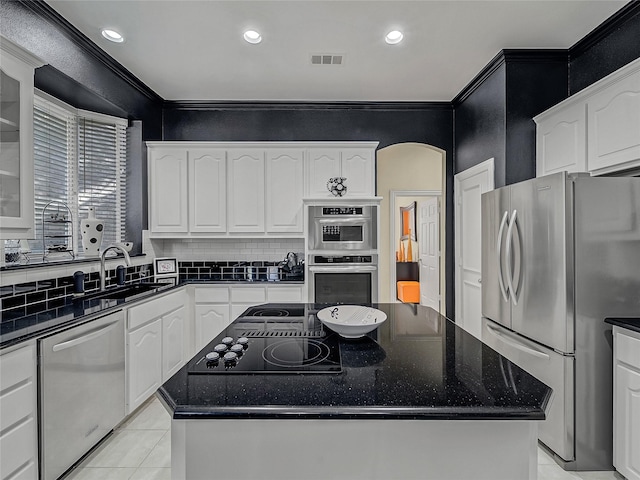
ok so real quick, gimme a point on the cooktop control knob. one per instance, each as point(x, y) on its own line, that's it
point(227, 341)
point(230, 358)
point(220, 348)
point(237, 349)
point(212, 356)
point(244, 341)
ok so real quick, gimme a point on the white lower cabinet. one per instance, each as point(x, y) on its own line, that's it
point(157, 344)
point(216, 306)
point(626, 403)
point(18, 413)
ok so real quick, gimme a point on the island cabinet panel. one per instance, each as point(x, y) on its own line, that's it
point(626, 399)
point(562, 141)
point(168, 187)
point(246, 191)
point(207, 190)
point(284, 184)
point(613, 119)
point(18, 413)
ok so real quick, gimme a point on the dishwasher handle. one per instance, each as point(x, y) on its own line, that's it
point(83, 337)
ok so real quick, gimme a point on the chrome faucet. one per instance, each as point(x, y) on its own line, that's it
point(127, 259)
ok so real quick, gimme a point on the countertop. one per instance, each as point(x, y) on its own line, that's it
point(78, 310)
point(416, 365)
point(629, 323)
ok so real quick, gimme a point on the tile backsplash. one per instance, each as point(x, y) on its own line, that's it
point(227, 249)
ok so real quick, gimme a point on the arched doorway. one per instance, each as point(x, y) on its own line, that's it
point(419, 170)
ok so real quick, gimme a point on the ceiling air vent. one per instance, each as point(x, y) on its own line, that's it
point(326, 59)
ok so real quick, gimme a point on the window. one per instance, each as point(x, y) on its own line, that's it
point(79, 159)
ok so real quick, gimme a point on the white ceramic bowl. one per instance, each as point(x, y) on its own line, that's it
point(351, 321)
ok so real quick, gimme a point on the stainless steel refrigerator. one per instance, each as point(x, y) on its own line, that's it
point(559, 254)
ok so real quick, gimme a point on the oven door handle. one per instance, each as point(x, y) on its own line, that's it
point(341, 221)
point(343, 269)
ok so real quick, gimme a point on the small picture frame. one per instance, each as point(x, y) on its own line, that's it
point(165, 266)
point(408, 222)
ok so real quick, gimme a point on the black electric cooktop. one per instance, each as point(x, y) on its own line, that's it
point(283, 339)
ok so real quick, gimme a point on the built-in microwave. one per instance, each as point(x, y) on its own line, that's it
point(342, 228)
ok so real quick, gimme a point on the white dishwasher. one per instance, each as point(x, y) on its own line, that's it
point(81, 390)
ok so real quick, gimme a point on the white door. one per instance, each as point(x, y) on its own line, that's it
point(468, 188)
point(284, 187)
point(429, 252)
point(245, 190)
point(358, 169)
point(324, 163)
point(207, 190)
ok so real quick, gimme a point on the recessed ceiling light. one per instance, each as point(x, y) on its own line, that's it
point(252, 36)
point(112, 35)
point(394, 37)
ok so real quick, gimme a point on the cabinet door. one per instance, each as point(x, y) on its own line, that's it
point(246, 190)
point(627, 421)
point(173, 342)
point(210, 320)
point(613, 119)
point(358, 169)
point(16, 141)
point(207, 190)
point(324, 163)
point(144, 363)
point(284, 186)
point(168, 190)
point(562, 141)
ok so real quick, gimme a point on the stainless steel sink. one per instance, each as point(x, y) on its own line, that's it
point(126, 292)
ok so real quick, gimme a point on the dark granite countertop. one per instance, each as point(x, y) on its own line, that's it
point(629, 323)
point(416, 365)
point(76, 310)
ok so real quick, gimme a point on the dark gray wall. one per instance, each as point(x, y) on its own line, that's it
point(493, 115)
point(607, 48)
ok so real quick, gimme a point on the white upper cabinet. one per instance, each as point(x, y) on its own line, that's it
point(597, 130)
point(613, 119)
point(561, 143)
point(168, 187)
point(207, 190)
point(16, 141)
point(284, 182)
point(356, 164)
point(324, 163)
point(358, 167)
point(246, 190)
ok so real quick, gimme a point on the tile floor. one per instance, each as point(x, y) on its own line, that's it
point(140, 449)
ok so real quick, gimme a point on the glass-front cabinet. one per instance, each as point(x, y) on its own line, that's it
point(16, 141)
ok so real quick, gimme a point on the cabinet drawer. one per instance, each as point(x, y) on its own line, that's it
point(628, 350)
point(248, 295)
point(17, 447)
point(17, 366)
point(212, 295)
point(284, 294)
point(16, 404)
point(155, 308)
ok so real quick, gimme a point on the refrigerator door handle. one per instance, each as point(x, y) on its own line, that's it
point(516, 344)
point(512, 292)
point(503, 290)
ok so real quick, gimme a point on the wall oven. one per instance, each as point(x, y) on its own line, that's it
point(343, 279)
point(342, 228)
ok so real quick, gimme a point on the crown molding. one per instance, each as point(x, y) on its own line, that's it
point(46, 12)
point(510, 56)
point(285, 105)
point(611, 24)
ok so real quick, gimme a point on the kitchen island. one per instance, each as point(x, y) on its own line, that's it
point(416, 398)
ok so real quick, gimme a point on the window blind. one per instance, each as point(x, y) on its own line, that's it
point(79, 159)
